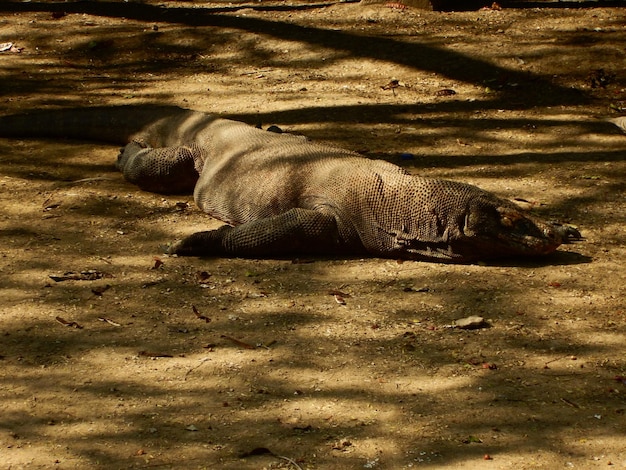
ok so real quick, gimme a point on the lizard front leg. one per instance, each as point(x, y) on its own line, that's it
point(297, 231)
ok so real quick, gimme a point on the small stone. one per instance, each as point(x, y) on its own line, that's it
point(470, 323)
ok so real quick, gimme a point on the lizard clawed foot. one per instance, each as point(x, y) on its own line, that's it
point(168, 248)
point(568, 234)
point(179, 248)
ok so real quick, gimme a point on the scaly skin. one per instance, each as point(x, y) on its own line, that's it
point(282, 195)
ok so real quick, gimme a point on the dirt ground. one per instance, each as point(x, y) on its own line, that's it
point(165, 362)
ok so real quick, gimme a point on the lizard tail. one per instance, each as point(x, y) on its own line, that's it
point(110, 124)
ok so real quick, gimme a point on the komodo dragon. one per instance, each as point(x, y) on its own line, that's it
point(282, 195)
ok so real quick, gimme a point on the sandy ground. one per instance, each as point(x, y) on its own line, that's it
point(164, 362)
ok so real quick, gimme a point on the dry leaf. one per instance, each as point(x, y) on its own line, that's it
point(100, 290)
point(202, 276)
point(199, 315)
point(338, 292)
point(71, 324)
point(445, 92)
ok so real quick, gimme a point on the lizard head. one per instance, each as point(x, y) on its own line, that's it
point(498, 228)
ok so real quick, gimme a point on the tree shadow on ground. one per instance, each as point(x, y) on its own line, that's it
point(238, 399)
point(332, 386)
point(420, 56)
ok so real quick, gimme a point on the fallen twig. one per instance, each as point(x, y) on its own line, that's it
point(153, 354)
point(292, 462)
point(88, 180)
point(107, 320)
point(238, 343)
point(265, 450)
point(243, 74)
point(570, 403)
point(202, 361)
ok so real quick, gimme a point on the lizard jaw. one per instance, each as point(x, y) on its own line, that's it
point(550, 236)
point(501, 229)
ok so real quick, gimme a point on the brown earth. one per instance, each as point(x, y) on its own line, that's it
point(382, 381)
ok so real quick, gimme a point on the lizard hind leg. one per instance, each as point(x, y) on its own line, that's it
point(166, 170)
point(297, 231)
point(128, 152)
